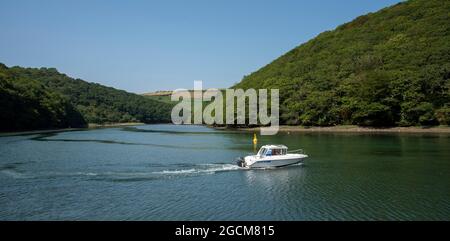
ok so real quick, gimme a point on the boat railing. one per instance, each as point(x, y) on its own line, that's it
point(298, 151)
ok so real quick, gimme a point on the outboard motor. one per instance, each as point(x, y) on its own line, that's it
point(240, 162)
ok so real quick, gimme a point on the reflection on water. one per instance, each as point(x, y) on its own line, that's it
point(166, 172)
point(49, 137)
point(271, 177)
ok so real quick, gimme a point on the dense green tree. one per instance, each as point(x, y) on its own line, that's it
point(386, 68)
point(33, 98)
point(26, 104)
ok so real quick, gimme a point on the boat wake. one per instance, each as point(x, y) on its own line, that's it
point(201, 169)
point(186, 170)
point(179, 170)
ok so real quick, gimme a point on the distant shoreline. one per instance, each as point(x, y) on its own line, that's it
point(93, 125)
point(283, 129)
point(357, 129)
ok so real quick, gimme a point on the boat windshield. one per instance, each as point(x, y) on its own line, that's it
point(262, 152)
point(276, 152)
point(272, 152)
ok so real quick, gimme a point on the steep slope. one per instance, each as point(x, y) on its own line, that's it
point(386, 68)
point(26, 104)
point(96, 103)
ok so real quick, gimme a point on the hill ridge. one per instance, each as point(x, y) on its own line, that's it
point(387, 68)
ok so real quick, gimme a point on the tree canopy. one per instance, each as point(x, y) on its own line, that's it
point(34, 98)
point(27, 104)
point(389, 68)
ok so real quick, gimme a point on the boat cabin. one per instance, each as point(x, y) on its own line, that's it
point(272, 150)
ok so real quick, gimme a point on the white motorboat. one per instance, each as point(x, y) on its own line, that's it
point(272, 156)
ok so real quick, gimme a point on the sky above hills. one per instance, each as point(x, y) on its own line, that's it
point(143, 46)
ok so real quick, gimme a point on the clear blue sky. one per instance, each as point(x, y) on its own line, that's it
point(143, 46)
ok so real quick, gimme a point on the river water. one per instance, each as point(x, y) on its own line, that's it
point(168, 172)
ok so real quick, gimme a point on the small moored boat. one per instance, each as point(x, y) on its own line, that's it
point(272, 156)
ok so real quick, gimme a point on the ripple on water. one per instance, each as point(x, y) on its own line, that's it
point(173, 171)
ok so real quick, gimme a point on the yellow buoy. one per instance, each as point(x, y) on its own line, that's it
point(255, 140)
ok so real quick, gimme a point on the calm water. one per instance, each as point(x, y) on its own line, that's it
point(165, 172)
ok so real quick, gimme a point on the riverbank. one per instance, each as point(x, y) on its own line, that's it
point(358, 129)
point(34, 132)
point(93, 125)
point(283, 129)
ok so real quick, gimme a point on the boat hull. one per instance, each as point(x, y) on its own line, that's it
point(275, 163)
point(270, 162)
